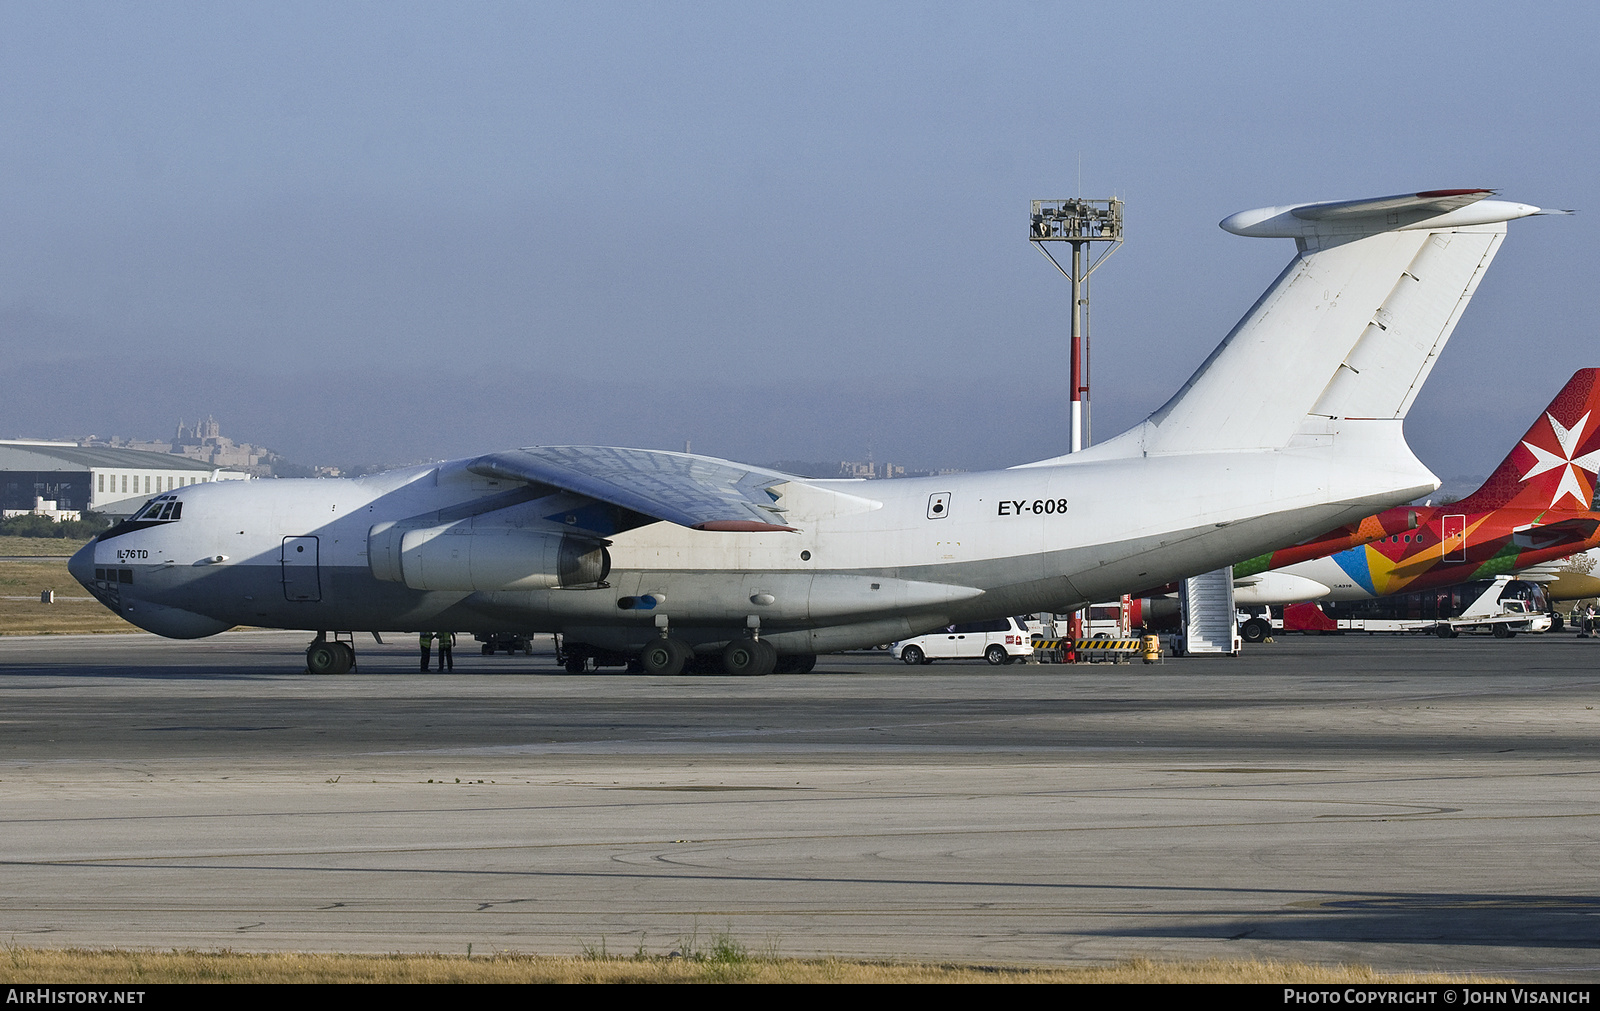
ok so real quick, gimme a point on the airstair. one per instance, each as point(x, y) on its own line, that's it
point(1209, 622)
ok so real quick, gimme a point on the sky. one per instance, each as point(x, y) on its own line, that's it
point(391, 232)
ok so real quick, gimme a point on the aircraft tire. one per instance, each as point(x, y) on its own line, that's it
point(749, 657)
point(911, 656)
point(329, 658)
point(664, 656)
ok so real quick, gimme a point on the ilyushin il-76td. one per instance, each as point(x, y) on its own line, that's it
point(668, 560)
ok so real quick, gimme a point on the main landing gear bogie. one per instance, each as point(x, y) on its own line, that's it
point(664, 656)
point(742, 658)
point(669, 656)
point(749, 658)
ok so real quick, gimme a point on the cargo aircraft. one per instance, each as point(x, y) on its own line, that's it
point(1538, 506)
point(1291, 427)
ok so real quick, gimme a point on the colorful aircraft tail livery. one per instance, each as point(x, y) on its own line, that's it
point(1538, 505)
point(672, 561)
point(1554, 465)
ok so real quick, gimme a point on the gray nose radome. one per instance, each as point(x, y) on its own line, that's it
point(81, 565)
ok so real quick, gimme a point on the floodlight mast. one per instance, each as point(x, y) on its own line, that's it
point(1079, 223)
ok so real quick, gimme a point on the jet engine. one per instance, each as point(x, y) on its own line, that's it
point(463, 556)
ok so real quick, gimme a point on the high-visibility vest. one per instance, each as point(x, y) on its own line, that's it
point(427, 639)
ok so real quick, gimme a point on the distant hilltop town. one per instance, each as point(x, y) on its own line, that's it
point(204, 442)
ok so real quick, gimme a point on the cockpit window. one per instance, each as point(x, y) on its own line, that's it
point(162, 507)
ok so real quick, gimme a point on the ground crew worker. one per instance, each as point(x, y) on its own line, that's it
point(447, 641)
point(427, 640)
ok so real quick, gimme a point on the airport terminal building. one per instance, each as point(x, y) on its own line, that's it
point(110, 481)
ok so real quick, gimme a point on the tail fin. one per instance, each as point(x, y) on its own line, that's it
point(1554, 465)
point(1349, 330)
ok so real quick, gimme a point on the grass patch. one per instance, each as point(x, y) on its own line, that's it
point(26, 616)
point(723, 959)
point(30, 546)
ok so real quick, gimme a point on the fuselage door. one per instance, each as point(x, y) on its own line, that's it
point(1453, 538)
point(301, 579)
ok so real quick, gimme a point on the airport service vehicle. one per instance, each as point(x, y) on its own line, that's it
point(1502, 606)
point(1537, 507)
point(997, 640)
point(1292, 426)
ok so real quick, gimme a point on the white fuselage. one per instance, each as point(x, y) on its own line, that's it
point(870, 562)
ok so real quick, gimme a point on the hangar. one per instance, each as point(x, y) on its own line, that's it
point(114, 482)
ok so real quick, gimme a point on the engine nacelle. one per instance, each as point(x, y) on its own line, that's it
point(461, 556)
point(1273, 588)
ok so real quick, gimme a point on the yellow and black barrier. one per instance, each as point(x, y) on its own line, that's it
point(1149, 646)
point(1124, 645)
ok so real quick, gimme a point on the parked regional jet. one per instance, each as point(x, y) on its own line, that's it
point(1537, 506)
point(1292, 426)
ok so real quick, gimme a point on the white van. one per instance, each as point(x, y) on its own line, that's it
point(1000, 640)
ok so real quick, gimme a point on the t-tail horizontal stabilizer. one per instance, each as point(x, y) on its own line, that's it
point(1321, 225)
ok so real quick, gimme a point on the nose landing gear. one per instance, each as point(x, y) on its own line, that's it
point(331, 656)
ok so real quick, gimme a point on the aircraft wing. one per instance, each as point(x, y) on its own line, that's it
point(698, 492)
point(1548, 535)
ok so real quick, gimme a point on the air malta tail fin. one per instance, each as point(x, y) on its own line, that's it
point(1554, 465)
point(1347, 333)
